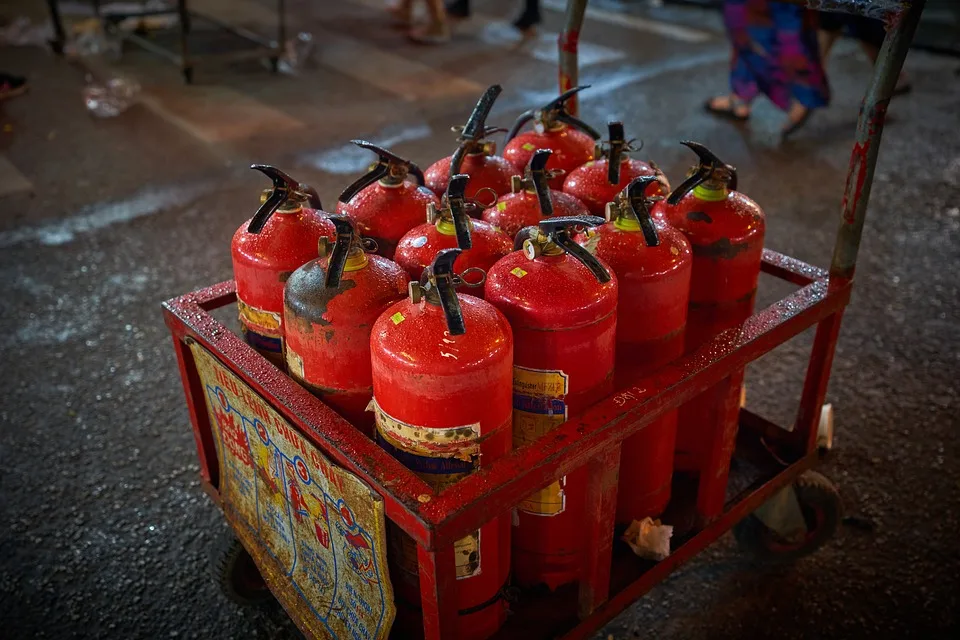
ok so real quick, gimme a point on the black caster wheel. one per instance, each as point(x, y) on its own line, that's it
point(188, 75)
point(822, 510)
point(238, 576)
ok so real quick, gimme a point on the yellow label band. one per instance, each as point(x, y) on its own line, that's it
point(440, 457)
point(538, 408)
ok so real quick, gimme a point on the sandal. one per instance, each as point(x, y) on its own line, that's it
point(729, 112)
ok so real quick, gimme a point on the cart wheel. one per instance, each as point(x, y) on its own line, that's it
point(820, 503)
point(237, 574)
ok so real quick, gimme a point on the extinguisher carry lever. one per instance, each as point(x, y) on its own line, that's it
point(476, 129)
point(441, 278)
point(638, 204)
point(613, 148)
point(709, 167)
point(554, 111)
point(536, 178)
point(557, 231)
point(389, 166)
point(284, 188)
point(456, 202)
point(342, 246)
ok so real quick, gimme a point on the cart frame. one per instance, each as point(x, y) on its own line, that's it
point(772, 456)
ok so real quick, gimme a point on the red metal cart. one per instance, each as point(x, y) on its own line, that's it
point(771, 458)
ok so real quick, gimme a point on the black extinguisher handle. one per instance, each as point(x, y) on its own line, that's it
point(284, 187)
point(476, 128)
point(617, 142)
point(537, 170)
point(556, 109)
point(558, 230)
point(456, 200)
point(346, 235)
point(388, 164)
point(443, 278)
point(707, 165)
point(640, 204)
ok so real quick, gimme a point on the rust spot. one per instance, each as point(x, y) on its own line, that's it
point(699, 216)
point(722, 249)
point(307, 297)
point(328, 335)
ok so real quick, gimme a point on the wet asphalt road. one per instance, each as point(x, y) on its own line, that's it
point(105, 531)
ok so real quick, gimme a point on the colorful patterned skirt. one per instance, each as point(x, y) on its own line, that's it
point(775, 52)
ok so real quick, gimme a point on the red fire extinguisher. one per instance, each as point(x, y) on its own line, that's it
point(329, 307)
point(599, 181)
point(561, 302)
point(532, 199)
point(475, 155)
point(442, 384)
point(383, 203)
point(449, 227)
point(267, 248)
point(652, 262)
point(725, 229)
point(572, 141)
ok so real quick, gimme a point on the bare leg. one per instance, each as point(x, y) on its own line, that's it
point(437, 31)
point(827, 39)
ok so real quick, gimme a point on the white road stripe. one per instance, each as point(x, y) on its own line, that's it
point(216, 113)
point(147, 202)
point(408, 79)
point(617, 19)
point(11, 180)
point(349, 158)
point(603, 82)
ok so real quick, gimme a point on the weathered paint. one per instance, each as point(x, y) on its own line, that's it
point(654, 290)
point(726, 230)
point(261, 263)
point(328, 331)
point(322, 528)
point(384, 212)
point(435, 387)
point(564, 323)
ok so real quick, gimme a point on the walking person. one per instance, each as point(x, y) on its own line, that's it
point(437, 29)
point(775, 52)
point(526, 23)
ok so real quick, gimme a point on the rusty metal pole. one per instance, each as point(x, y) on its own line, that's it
point(863, 159)
point(567, 43)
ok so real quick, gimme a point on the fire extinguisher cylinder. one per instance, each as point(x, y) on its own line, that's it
point(532, 199)
point(599, 181)
point(475, 155)
point(330, 305)
point(653, 265)
point(383, 202)
point(572, 141)
point(442, 384)
point(725, 229)
point(561, 302)
point(267, 248)
point(449, 226)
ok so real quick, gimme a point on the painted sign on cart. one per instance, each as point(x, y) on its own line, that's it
point(315, 530)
